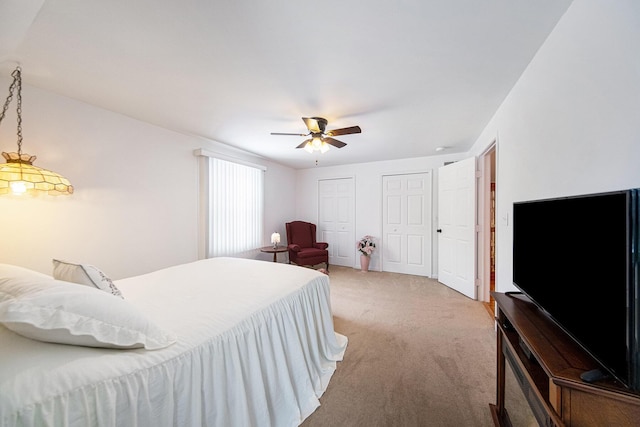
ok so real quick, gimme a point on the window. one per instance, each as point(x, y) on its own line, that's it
point(232, 205)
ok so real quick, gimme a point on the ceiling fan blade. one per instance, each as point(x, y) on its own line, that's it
point(304, 143)
point(334, 142)
point(312, 124)
point(344, 131)
point(294, 134)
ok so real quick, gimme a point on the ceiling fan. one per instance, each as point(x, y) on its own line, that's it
point(319, 139)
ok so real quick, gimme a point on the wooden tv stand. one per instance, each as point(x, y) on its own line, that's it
point(548, 363)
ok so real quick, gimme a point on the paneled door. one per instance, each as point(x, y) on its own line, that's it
point(457, 226)
point(406, 224)
point(336, 219)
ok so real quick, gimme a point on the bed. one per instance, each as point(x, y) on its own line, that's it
point(228, 342)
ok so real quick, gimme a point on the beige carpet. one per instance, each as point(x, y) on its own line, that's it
point(419, 354)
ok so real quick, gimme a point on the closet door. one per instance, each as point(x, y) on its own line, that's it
point(336, 219)
point(406, 224)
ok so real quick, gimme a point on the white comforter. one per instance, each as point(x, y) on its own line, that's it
point(256, 347)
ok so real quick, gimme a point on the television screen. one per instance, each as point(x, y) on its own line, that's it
point(572, 257)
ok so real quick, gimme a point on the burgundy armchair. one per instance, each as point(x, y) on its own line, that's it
point(302, 245)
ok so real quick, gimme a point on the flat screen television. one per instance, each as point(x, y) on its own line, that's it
point(577, 258)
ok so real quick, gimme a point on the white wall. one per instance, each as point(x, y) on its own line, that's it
point(136, 200)
point(571, 125)
point(368, 193)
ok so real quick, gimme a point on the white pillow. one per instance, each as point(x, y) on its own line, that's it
point(51, 310)
point(19, 274)
point(84, 274)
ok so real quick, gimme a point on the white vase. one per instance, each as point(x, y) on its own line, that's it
point(364, 263)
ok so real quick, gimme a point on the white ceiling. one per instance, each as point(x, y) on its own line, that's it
point(413, 74)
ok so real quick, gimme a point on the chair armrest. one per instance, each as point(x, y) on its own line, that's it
point(293, 247)
point(321, 245)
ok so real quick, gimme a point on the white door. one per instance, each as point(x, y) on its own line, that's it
point(335, 219)
point(457, 226)
point(406, 224)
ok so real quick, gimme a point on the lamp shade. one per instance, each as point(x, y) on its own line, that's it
point(19, 176)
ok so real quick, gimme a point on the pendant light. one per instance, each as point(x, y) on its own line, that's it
point(18, 175)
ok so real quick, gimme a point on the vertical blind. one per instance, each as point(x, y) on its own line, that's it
point(235, 207)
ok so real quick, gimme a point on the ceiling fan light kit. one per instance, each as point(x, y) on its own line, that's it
point(316, 144)
point(319, 139)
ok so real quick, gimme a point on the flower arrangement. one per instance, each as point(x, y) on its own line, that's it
point(366, 245)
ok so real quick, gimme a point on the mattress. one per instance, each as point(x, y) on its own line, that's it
point(255, 346)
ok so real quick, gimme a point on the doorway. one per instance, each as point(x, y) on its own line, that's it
point(487, 219)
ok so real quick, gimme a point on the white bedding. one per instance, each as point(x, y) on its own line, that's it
point(255, 347)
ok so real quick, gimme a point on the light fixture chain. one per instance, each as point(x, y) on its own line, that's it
point(19, 110)
point(17, 82)
point(9, 98)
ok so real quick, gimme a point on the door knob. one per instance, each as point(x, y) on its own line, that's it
point(439, 230)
